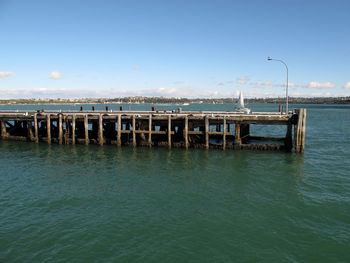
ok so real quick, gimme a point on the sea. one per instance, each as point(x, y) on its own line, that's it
point(64, 203)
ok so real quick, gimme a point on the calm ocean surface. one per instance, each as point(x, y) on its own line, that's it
point(63, 203)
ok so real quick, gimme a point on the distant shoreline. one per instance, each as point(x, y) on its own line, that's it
point(162, 100)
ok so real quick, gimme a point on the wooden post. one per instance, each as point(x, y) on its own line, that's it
point(238, 141)
point(119, 142)
point(30, 130)
point(73, 129)
point(299, 136)
point(224, 135)
point(150, 130)
point(133, 131)
point(288, 144)
point(186, 132)
point(48, 128)
point(67, 130)
point(86, 129)
point(303, 131)
point(3, 129)
point(100, 129)
point(169, 131)
point(36, 134)
point(206, 120)
point(60, 130)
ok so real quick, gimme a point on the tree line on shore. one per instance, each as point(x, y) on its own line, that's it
point(159, 100)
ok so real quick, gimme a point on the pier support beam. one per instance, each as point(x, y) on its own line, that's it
point(133, 131)
point(86, 129)
point(224, 135)
point(30, 131)
point(299, 135)
point(4, 133)
point(66, 130)
point(119, 142)
point(238, 141)
point(100, 129)
point(186, 132)
point(206, 124)
point(36, 133)
point(73, 129)
point(48, 128)
point(150, 130)
point(288, 144)
point(60, 129)
point(169, 131)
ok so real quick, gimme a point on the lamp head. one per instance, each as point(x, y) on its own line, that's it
point(269, 58)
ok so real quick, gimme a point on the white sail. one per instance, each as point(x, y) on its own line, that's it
point(240, 104)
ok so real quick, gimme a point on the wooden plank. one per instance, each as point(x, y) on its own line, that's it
point(262, 138)
point(196, 132)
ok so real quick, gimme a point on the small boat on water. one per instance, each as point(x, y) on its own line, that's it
point(240, 105)
point(186, 104)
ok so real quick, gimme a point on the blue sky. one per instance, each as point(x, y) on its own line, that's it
point(72, 49)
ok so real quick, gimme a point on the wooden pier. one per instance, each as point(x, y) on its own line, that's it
point(172, 129)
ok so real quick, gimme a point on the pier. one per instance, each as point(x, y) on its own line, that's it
point(171, 129)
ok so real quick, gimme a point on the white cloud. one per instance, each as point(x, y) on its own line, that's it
point(265, 83)
point(187, 92)
point(320, 85)
point(242, 80)
point(4, 75)
point(56, 75)
point(347, 85)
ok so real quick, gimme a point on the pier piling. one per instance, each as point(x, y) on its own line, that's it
point(48, 128)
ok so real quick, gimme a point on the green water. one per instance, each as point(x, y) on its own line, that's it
point(103, 204)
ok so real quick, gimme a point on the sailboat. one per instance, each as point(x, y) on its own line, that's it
point(240, 105)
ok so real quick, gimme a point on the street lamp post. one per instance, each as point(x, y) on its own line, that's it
point(269, 58)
